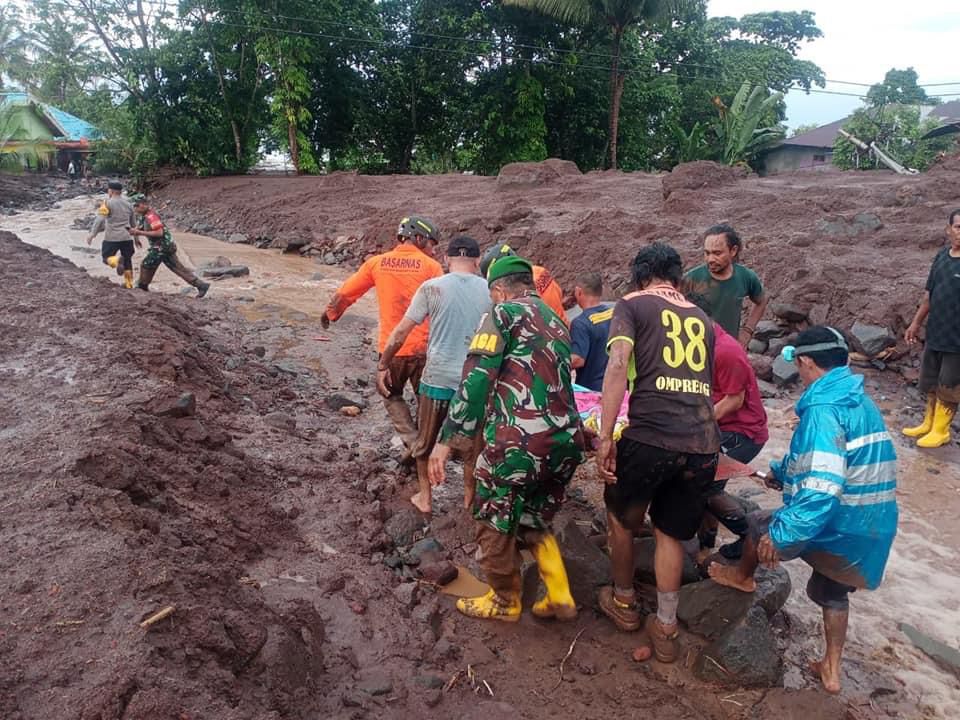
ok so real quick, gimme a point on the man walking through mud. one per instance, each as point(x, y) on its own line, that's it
point(396, 275)
point(667, 456)
point(839, 485)
point(162, 249)
point(940, 366)
point(725, 283)
point(519, 361)
point(454, 304)
point(114, 218)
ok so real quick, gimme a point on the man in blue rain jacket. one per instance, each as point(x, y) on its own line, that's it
point(839, 485)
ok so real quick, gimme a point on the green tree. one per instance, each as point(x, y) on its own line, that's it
point(900, 87)
point(898, 131)
point(13, 44)
point(803, 129)
point(619, 16)
point(739, 128)
point(61, 46)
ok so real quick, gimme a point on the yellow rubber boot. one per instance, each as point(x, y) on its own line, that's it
point(128, 279)
point(940, 432)
point(113, 261)
point(927, 423)
point(558, 602)
point(492, 606)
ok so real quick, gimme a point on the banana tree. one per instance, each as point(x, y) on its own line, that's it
point(739, 129)
point(619, 16)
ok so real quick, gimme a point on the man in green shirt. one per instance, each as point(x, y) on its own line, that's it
point(726, 283)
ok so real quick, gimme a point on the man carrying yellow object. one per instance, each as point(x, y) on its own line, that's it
point(396, 275)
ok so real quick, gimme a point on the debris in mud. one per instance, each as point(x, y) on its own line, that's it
point(219, 273)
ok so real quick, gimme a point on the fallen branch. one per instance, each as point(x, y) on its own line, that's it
point(722, 668)
point(567, 657)
point(158, 616)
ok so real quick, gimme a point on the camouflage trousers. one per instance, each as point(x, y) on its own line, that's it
point(164, 253)
point(517, 489)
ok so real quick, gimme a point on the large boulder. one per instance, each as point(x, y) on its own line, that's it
point(788, 312)
point(784, 373)
point(872, 339)
point(643, 553)
point(532, 174)
point(404, 527)
point(708, 609)
point(745, 655)
point(700, 175)
point(767, 329)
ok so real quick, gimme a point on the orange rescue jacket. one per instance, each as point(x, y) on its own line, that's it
point(396, 275)
point(549, 290)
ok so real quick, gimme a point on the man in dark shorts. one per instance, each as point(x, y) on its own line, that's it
point(115, 218)
point(667, 456)
point(738, 409)
point(839, 486)
point(940, 367)
point(726, 282)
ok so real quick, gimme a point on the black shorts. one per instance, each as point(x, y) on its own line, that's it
point(824, 591)
point(673, 484)
point(738, 446)
point(940, 374)
point(109, 248)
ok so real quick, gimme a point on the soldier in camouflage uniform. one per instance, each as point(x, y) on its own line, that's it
point(162, 250)
point(519, 361)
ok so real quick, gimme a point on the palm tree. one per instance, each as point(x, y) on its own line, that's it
point(618, 16)
point(13, 43)
point(739, 128)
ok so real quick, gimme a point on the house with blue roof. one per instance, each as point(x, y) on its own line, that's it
point(36, 135)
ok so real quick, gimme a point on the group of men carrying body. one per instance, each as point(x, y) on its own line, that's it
point(674, 346)
point(123, 221)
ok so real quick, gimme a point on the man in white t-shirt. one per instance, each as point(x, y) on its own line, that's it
point(455, 304)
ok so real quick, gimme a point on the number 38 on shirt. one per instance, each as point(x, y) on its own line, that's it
point(687, 342)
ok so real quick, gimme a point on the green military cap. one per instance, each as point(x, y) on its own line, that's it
point(507, 265)
point(137, 198)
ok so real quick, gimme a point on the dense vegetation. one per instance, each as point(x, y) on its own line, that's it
point(411, 85)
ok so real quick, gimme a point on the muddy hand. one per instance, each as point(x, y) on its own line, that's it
point(607, 460)
point(911, 335)
point(437, 465)
point(384, 381)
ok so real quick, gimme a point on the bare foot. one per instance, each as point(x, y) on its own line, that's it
point(704, 554)
point(422, 503)
point(830, 677)
point(730, 576)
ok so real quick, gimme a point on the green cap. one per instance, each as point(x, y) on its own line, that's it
point(507, 265)
point(137, 198)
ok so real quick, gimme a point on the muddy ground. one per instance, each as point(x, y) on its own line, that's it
point(262, 515)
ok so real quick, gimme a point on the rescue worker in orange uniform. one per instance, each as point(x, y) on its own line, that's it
point(544, 283)
point(396, 275)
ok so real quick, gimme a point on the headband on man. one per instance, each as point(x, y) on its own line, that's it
point(790, 353)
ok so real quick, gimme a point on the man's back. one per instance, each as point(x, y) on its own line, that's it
point(733, 374)
point(672, 340)
point(119, 217)
point(455, 304)
point(589, 332)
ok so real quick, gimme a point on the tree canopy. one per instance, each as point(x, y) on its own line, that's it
point(407, 85)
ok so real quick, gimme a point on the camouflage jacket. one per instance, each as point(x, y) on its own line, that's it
point(519, 364)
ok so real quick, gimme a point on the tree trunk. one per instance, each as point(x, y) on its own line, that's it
point(237, 144)
point(292, 142)
point(616, 91)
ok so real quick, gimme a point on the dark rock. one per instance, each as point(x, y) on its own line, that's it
point(281, 421)
point(224, 272)
point(872, 340)
point(218, 262)
point(287, 366)
point(788, 312)
point(757, 346)
point(643, 553)
point(202, 228)
point(329, 259)
point(745, 655)
point(238, 238)
point(185, 406)
point(767, 329)
point(432, 698)
point(762, 366)
point(376, 684)
point(316, 277)
point(407, 594)
point(259, 351)
point(773, 587)
point(337, 401)
point(767, 390)
point(426, 549)
point(784, 704)
point(439, 573)
point(403, 527)
point(431, 682)
point(868, 221)
point(776, 345)
point(232, 363)
point(708, 609)
point(784, 373)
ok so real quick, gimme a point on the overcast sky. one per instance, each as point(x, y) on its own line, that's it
point(861, 41)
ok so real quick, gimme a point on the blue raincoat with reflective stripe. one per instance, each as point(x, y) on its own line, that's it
point(839, 483)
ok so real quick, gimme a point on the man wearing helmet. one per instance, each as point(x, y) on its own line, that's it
point(396, 275)
point(544, 283)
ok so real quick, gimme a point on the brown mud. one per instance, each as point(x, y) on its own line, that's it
point(261, 518)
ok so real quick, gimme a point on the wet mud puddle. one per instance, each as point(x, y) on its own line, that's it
point(922, 583)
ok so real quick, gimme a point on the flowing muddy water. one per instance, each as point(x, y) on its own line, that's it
point(922, 584)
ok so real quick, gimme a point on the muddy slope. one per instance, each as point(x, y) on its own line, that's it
point(858, 243)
